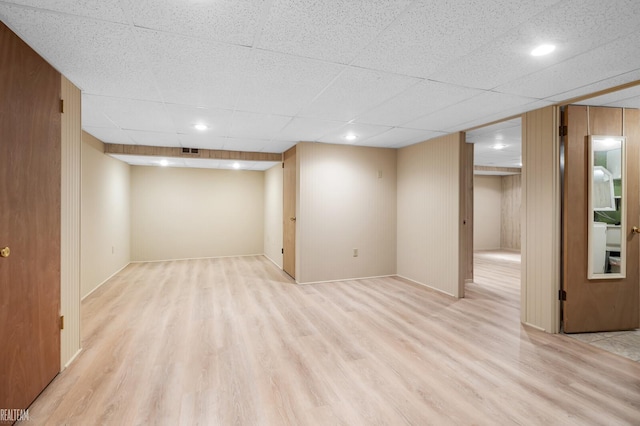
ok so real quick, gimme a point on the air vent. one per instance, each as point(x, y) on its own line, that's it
point(185, 150)
point(194, 150)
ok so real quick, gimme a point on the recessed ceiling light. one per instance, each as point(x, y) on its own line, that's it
point(351, 137)
point(499, 146)
point(200, 126)
point(543, 49)
point(164, 163)
point(236, 165)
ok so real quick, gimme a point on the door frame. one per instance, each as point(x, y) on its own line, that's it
point(289, 211)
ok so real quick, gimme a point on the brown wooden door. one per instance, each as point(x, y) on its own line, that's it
point(598, 305)
point(29, 222)
point(289, 212)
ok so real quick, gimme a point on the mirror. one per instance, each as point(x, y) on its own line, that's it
point(606, 207)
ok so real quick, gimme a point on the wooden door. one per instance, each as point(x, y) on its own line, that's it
point(289, 212)
point(29, 222)
point(610, 304)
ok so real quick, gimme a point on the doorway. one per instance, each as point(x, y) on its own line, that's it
point(497, 192)
point(289, 212)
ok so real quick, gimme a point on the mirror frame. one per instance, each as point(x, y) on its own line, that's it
point(623, 210)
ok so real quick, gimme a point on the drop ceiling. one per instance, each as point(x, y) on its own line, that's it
point(263, 75)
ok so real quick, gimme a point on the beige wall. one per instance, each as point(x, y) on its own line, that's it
point(273, 204)
point(193, 213)
point(487, 200)
point(429, 213)
point(345, 204)
point(511, 200)
point(104, 215)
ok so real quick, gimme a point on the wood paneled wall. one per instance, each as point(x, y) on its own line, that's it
point(487, 192)
point(510, 212)
point(466, 242)
point(540, 279)
point(70, 223)
point(165, 151)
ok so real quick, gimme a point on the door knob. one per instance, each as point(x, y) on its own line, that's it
point(5, 252)
point(292, 219)
point(635, 230)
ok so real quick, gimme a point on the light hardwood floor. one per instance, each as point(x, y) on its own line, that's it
point(234, 342)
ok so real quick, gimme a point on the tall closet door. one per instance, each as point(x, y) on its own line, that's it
point(29, 222)
point(601, 274)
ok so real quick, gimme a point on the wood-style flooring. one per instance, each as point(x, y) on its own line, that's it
point(233, 341)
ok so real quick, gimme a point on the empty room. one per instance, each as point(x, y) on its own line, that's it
point(347, 212)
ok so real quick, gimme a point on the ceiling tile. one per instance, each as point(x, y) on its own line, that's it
point(605, 84)
point(476, 108)
point(509, 112)
point(266, 74)
point(97, 56)
point(195, 72)
point(399, 137)
point(185, 117)
point(245, 144)
point(609, 60)
point(508, 57)
point(109, 135)
point(132, 114)
point(501, 127)
point(98, 9)
point(250, 125)
point(154, 138)
point(630, 97)
point(431, 34)
point(144, 160)
point(308, 129)
point(199, 163)
point(355, 91)
point(333, 30)
point(361, 131)
point(418, 100)
point(278, 146)
point(276, 83)
point(92, 112)
point(229, 21)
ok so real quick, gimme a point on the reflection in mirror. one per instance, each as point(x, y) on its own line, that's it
point(606, 207)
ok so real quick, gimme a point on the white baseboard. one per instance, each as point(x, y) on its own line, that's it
point(103, 282)
point(197, 258)
point(346, 279)
point(427, 286)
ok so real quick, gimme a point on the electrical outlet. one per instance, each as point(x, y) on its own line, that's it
point(355, 252)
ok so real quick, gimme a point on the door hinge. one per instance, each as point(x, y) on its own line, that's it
point(562, 131)
point(562, 295)
point(61, 322)
point(62, 106)
point(283, 165)
point(282, 251)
